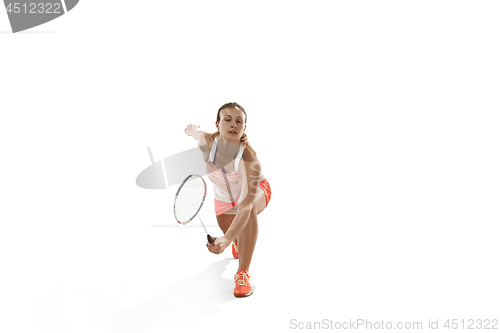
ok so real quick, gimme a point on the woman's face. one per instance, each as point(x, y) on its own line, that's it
point(232, 124)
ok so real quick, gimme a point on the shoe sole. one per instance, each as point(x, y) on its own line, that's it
point(243, 295)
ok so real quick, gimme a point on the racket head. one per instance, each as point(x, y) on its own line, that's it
point(189, 198)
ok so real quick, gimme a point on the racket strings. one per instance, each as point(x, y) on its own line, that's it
point(189, 199)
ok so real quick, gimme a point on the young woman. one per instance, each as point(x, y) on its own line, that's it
point(240, 189)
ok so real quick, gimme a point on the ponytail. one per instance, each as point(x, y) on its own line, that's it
point(244, 140)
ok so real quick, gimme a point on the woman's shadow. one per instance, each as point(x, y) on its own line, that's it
point(177, 306)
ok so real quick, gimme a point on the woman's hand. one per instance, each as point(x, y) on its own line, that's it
point(192, 130)
point(219, 245)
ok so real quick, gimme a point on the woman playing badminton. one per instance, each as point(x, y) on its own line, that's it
point(240, 189)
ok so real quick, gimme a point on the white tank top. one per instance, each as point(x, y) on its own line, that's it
point(227, 186)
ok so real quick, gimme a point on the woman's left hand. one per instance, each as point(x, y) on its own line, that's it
point(219, 245)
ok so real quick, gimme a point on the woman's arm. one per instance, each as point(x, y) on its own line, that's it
point(249, 195)
point(201, 138)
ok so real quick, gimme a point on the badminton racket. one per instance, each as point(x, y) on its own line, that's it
point(189, 199)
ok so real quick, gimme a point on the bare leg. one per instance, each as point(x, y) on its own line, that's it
point(225, 221)
point(248, 237)
point(246, 242)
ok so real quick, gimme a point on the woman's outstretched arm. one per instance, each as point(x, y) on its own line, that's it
point(200, 136)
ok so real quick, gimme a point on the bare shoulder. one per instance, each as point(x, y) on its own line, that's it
point(249, 157)
point(252, 167)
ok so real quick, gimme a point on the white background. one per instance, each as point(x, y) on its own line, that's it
point(376, 123)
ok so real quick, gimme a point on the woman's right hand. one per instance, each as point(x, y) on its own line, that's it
point(192, 130)
point(219, 245)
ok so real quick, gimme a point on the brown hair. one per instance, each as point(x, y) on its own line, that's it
point(244, 138)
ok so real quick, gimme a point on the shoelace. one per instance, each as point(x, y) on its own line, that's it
point(241, 278)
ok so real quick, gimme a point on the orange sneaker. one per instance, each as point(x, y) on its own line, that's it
point(242, 287)
point(235, 249)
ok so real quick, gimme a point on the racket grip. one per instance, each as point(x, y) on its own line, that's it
point(210, 239)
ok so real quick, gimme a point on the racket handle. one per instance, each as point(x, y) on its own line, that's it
point(210, 239)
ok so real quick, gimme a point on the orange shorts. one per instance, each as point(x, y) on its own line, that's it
point(267, 190)
point(221, 207)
